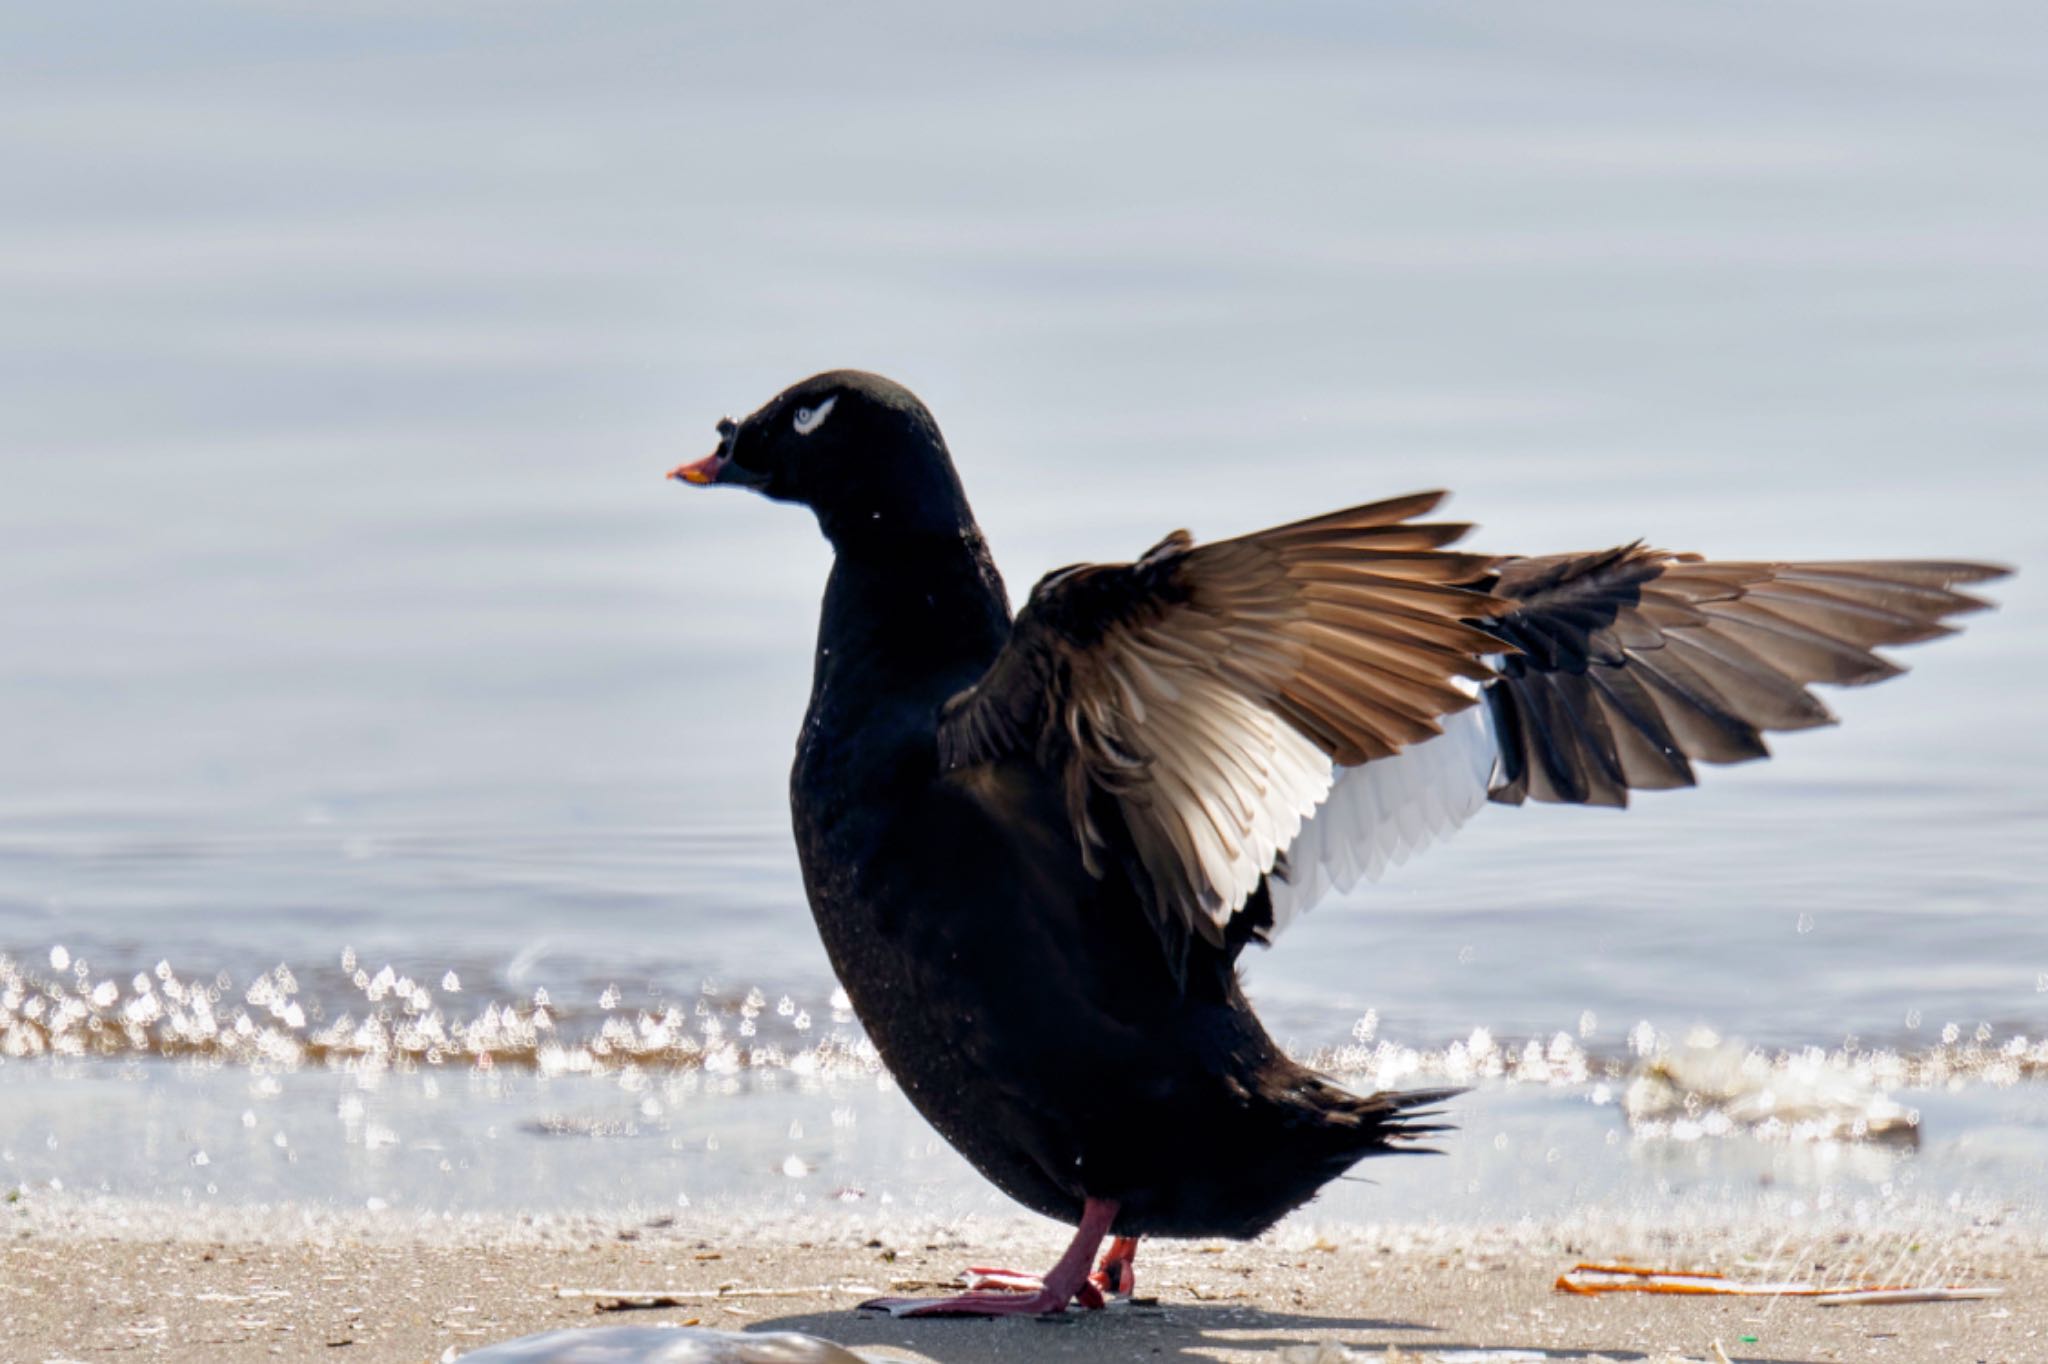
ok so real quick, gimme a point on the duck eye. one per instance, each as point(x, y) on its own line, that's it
point(809, 419)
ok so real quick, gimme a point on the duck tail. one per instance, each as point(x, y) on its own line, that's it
point(1400, 1118)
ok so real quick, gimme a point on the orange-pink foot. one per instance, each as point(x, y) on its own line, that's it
point(1118, 1272)
point(1022, 1295)
point(1041, 1303)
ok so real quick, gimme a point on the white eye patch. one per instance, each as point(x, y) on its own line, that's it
point(809, 419)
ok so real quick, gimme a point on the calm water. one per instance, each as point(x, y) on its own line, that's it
point(348, 624)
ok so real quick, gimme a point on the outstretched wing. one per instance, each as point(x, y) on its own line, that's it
point(1633, 664)
point(1623, 669)
point(1383, 813)
point(1193, 703)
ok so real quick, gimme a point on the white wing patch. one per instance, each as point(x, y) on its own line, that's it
point(1232, 783)
point(809, 419)
point(1385, 811)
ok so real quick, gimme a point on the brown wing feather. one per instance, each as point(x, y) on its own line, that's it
point(1634, 663)
point(1208, 689)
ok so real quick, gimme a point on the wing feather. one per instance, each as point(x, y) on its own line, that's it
point(1208, 693)
point(1629, 665)
point(1294, 708)
point(1635, 663)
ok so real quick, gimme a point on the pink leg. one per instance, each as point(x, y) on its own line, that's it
point(1118, 1272)
point(1063, 1283)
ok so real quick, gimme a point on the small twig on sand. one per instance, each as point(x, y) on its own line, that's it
point(1890, 1295)
point(1589, 1279)
point(637, 1299)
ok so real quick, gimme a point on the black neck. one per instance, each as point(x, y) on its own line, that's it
point(908, 618)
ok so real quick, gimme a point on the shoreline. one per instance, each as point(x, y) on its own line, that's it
point(82, 1279)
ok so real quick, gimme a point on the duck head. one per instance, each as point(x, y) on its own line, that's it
point(857, 449)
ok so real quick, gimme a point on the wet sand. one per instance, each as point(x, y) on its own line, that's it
point(81, 1283)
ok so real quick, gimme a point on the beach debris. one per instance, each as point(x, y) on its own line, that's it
point(638, 1299)
point(1330, 1352)
point(1588, 1279)
point(1708, 1087)
point(1880, 1296)
point(671, 1345)
point(1333, 1352)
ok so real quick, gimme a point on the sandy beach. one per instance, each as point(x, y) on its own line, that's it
point(79, 1283)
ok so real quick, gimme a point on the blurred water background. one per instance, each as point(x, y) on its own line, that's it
point(345, 622)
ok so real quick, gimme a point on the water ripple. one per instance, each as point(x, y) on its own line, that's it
point(1687, 1087)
